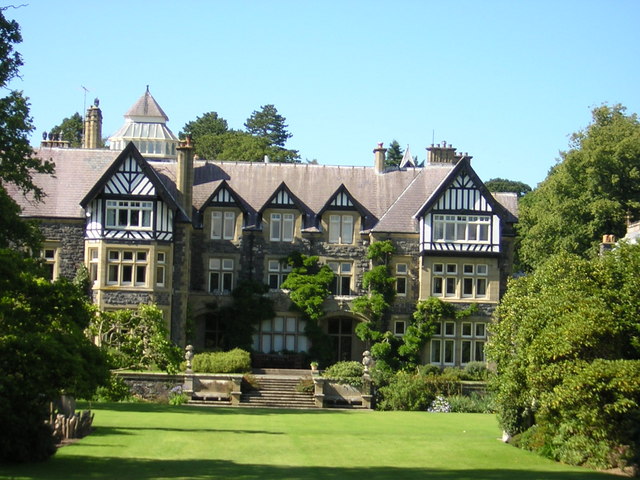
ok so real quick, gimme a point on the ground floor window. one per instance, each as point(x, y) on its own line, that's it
point(127, 267)
point(341, 332)
point(282, 333)
point(49, 255)
point(465, 344)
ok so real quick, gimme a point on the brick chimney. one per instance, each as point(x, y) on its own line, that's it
point(92, 134)
point(379, 157)
point(444, 153)
point(184, 174)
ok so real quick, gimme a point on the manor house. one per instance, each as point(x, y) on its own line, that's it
point(151, 223)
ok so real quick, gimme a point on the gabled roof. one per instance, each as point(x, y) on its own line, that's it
point(464, 167)
point(342, 191)
point(237, 200)
point(407, 159)
point(299, 204)
point(151, 174)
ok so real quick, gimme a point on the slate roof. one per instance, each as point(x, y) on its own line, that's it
point(390, 199)
point(146, 106)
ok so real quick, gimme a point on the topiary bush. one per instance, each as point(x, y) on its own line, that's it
point(233, 361)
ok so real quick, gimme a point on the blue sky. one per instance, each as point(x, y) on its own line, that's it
point(505, 81)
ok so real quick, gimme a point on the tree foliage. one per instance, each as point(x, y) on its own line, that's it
point(269, 124)
point(588, 194)
point(70, 129)
point(504, 185)
point(137, 339)
point(567, 348)
point(43, 353)
point(308, 285)
point(394, 154)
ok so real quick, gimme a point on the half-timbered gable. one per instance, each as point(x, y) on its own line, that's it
point(129, 202)
point(462, 216)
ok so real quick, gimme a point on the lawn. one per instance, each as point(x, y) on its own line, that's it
point(148, 441)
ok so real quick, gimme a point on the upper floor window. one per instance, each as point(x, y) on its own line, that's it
point(223, 225)
point(341, 229)
point(50, 257)
point(161, 268)
point(341, 284)
point(127, 267)
point(221, 275)
point(278, 272)
point(401, 279)
point(281, 227)
point(448, 280)
point(129, 214)
point(461, 228)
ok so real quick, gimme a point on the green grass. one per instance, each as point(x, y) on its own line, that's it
point(147, 441)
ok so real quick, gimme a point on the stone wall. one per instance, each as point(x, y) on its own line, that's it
point(151, 386)
point(70, 237)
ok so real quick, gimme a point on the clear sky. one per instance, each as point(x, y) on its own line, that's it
point(505, 81)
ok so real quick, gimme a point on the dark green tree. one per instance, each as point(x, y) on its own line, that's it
point(205, 132)
point(566, 344)
point(394, 154)
point(588, 194)
point(503, 185)
point(70, 129)
point(268, 123)
point(43, 350)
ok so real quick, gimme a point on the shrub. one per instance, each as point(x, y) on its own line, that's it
point(115, 391)
point(454, 374)
point(474, 403)
point(476, 371)
point(349, 373)
point(428, 369)
point(177, 396)
point(233, 361)
point(406, 392)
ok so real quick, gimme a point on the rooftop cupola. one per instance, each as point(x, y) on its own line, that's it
point(145, 126)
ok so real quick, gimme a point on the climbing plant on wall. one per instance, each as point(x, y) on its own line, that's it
point(308, 285)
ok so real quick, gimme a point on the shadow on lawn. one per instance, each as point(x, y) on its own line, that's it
point(157, 408)
point(91, 468)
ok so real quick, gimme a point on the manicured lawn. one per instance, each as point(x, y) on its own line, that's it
point(145, 441)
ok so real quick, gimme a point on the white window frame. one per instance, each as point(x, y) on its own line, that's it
point(277, 272)
point(341, 229)
point(130, 263)
point(399, 332)
point(223, 225)
point(122, 214)
point(161, 269)
point(402, 272)
point(461, 228)
point(342, 272)
point(224, 268)
point(281, 227)
point(281, 333)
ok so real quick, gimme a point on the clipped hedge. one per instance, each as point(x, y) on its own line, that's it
point(233, 361)
point(348, 373)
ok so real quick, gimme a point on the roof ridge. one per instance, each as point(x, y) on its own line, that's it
point(420, 172)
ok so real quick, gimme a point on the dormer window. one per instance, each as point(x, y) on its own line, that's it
point(127, 214)
point(341, 229)
point(223, 225)
point(281, 227)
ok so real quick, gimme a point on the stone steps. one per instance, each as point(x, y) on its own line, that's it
point(278, 391)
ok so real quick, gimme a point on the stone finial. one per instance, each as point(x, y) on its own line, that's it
point(367, 361)
point(188, 356)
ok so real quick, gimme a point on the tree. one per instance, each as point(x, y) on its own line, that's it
point(566, 344)
point(503, 185)
point(269, 124)
point(588, 194)
point(43, 353)
point(394, 154)
point(43, 350)
point(242, 147)
point(70, 129)
point(17, 159)
point(204, 131)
